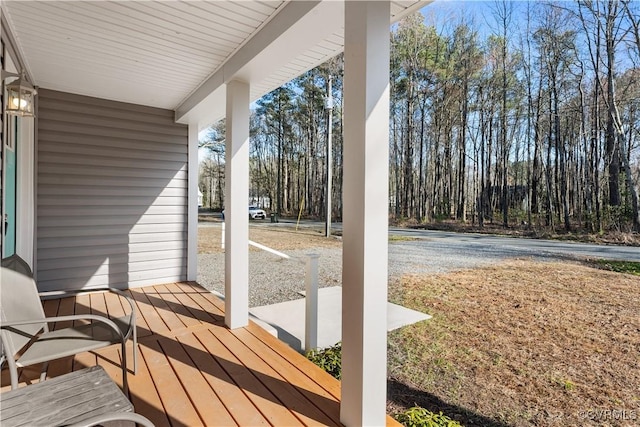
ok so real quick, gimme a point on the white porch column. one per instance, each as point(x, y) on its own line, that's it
point(192, 205)
point(365, 215)
point(236, 278)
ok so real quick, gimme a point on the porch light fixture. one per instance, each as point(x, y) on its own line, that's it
point(20, 95)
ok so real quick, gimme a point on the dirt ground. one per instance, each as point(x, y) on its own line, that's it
point(521, 344)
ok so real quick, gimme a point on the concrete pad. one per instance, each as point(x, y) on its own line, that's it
point(287, 318)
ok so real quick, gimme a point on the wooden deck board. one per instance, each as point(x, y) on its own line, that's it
point(162, 309)
point(83, 360)
point(109, 358)
point(330, 384)
point(182, 313)
point(143, 327)
point(288, 394)
point(177, 404)
point(64, 306)
point(193, 371)
point(230, 395)
point(152, 320)
point(205, 400)
point(51, 307)
point(189, 299)
point(114, 304)
point(264, 400)
point(98, 304)
point(311, 390)
point(144, 395)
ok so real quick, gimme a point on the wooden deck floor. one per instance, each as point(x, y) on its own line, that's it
point(193, 371)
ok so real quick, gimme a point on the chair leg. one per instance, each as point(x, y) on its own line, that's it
point(13, 373)
point(43, 373)
point(125, 383)
point(135, 350)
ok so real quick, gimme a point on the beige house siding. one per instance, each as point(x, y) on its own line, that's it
point(111, 194)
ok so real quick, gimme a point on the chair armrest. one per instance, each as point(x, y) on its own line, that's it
point(108, 322)
point(122, 416)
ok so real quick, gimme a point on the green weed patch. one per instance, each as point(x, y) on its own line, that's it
point(629, 267)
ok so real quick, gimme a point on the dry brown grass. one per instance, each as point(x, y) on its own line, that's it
point(523, 343)
point(281, 239)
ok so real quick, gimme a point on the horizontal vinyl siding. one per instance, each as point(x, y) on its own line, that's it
point(112, 194)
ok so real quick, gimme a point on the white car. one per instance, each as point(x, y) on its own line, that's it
point(256, 213)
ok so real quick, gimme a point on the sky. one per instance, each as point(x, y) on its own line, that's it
point(480, 12)
point(456, 7)
point(441, 11)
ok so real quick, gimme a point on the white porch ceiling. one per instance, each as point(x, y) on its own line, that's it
point(176, 54)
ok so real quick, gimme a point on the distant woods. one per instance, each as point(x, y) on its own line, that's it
point(530, 118)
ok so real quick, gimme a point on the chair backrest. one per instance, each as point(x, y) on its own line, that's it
point(19, 300)
point(16, 263)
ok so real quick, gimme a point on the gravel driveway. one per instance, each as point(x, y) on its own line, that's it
point(273, 279)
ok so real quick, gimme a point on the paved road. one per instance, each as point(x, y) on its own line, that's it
point(522, 246)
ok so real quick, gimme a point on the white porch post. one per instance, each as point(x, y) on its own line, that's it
point(192, 205)
point(365, 216)
point(236, 281)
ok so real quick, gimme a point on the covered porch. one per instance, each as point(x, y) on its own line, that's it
point(194, 371)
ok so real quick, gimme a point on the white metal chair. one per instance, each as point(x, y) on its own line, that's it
point(126, 323)
point(25, 334)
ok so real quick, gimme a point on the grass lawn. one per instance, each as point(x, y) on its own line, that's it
point(520, 344)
